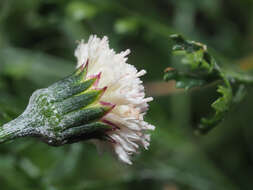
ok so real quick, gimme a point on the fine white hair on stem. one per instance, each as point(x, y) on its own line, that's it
point(124, 90)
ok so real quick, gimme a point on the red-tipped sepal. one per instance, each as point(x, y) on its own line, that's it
point(107, 106)
point(82, 71)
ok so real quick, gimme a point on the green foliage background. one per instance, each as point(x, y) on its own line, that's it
point(37, 41)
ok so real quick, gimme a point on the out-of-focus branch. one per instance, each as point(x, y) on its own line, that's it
point(246, 63)
point(161, 88)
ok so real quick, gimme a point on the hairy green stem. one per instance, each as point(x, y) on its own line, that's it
point(16, 128)
point(239, 76)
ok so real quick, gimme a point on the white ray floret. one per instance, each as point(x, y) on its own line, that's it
point(124, 90)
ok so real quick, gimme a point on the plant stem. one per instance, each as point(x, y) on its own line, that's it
point(239, 76)
point(16, 128)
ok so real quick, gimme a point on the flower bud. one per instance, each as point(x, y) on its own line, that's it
point(102, 101)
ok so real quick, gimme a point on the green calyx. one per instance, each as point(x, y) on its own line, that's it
point(65, 112)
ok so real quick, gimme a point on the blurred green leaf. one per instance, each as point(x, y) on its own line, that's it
point(79, 10)
point(221, 107)
point(36, 66)
point(223, 103)
point(202, 69)
point(126, 25)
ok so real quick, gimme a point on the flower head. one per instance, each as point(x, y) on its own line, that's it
point(124, 94)
point(103, 101)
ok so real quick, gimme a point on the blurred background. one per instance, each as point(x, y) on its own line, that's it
point(37, 43)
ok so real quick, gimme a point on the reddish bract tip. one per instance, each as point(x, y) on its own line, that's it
point(110, 139)
point(102, 91)
point(108, 104)
point(81, 68)
point(85, 69)
point(84, 66)
point(98, 76)
point(115, 127)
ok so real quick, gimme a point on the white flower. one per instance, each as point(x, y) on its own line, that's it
point(124, 90)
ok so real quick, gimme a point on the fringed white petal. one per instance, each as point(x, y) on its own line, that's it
point(124, 89)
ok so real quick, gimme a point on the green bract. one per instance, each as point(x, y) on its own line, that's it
point(65, 112)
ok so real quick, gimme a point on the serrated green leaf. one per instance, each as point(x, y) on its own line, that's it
point(194, 54)
point(202, 68)
point(200, 65)
point(222, 104)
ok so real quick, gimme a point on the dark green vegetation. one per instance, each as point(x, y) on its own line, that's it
point(199, 68)
point(37, 41)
